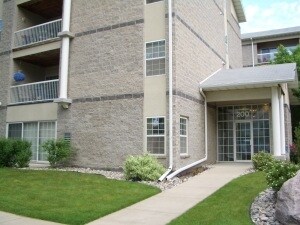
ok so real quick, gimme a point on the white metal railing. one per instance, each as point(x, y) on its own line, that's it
point(39, 91)
point(39, 33)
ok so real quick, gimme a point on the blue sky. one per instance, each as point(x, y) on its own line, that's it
point(270, 14)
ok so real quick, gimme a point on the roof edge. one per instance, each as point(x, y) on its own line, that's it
point(239, 9)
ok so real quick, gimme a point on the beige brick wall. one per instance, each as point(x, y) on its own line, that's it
point(5, 61)
point(288, 126)
point(247, 55)
point(195, 114)
point(103, 133)
point(105, 63)
point(234, 41)
point(212, 134)
point(89, 15)
point(199, 50)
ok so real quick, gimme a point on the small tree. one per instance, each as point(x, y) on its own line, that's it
point(284, 56)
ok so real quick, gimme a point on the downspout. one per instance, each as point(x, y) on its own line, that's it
point(252, 46)
point(206, 143)
point(226, 35)
point(170, 12)
point(66, 35)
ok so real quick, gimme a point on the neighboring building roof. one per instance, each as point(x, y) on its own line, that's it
point(272, 33)
point(240, 13)
point(250, 77)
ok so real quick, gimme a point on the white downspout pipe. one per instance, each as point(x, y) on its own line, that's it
point(206, 143)
point(65, 51)
point(252, 50)
point(170, 12)
point(226, 35)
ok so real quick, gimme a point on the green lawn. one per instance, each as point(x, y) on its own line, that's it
point(228, 206)
point(66, 197)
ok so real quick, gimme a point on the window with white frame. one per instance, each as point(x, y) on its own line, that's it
point(155, 58)
point(183, 135)
point(36, 133)
point(156, 135)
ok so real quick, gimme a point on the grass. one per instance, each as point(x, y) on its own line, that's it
point(66, 197)
point(229, 205)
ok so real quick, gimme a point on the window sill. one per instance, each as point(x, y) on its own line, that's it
point(184, 156)
point(160, 156)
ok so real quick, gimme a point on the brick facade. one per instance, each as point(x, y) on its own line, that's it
point(106, 76)
point(5, 61)
point(105, 82)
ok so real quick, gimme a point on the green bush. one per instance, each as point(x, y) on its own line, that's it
point(23, 153)
point(279, 172)
point(144, 167)
point(59, 152)
point(14, 153)
point(7, 154)
point(262, 160)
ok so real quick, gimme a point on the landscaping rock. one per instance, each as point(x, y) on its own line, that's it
point(288, 202)
point(263, 208)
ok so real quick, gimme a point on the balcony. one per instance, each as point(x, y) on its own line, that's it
point(37, 34)
point(34, 92)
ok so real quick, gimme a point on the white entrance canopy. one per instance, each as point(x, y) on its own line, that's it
point(252, 77)
point(273, 77)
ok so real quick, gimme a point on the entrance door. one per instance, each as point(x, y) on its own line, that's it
point(243, 141)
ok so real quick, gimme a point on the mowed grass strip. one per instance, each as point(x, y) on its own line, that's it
point(66, 197)
point(230, 205)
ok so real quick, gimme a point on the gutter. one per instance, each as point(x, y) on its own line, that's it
point(206, 144)
point(170, 12)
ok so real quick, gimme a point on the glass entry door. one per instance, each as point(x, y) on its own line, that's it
point(243, 141)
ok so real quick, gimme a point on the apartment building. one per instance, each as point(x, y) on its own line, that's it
point(260, 48)
point(102, 74)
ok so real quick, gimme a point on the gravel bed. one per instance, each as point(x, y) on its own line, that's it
point(117, 175)
point(263, 208)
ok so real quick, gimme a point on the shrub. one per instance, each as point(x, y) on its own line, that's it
point(7, 154)
point(279, 172)
point(59, 152)
point(14, 153)
point(144, 167)
point(23, 153)
point(262, 160)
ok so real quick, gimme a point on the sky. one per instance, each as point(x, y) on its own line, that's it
point(270, 14)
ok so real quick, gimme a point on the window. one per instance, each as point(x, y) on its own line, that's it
point(155, 58)
point(183, 135)
point(152, 1)
point(36, 133)
point(156, 135)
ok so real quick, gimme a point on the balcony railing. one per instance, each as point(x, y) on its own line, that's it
point(265, 57)
point(34, 92)
point(36, 34)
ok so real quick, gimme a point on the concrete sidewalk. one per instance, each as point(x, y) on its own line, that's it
point(162, 208)
point(11, 219)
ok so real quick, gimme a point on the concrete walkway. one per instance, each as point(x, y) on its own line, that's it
point(162, 208)
point(11, 219)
